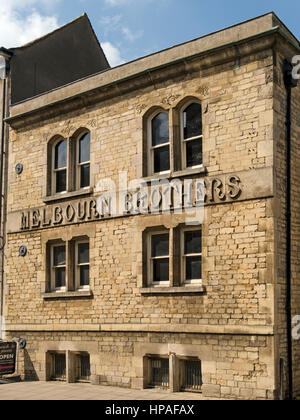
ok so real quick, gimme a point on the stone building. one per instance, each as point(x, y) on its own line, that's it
point(148, 236)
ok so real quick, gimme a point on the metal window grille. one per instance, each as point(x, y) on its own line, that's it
point(192, 375)
point(160, 373)
point(60, 367)
point(83, 367)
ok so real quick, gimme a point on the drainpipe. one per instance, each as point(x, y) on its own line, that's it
point(290, 83)
point(3, 76)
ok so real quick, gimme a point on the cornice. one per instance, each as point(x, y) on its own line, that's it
point(230, 52)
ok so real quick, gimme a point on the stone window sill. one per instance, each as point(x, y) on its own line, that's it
point(185, 172)
point(67, 195)
point(188, 172)
point(68, 295)
point(184, 290)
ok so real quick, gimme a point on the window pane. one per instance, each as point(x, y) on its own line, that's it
point(83, 253)
point(161, 270)
point(84, 275)
point(160, 245)
point(60, 277)
point(192, 117)
point(85, 176)
point(59, 255)
point(193, 268)
point(194, 153)
point(192, 242)
point(162, 159)
point(84, 148)
point(61, 155)
point(61, 181)
point(160, 129)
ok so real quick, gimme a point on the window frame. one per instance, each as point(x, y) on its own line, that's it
point(77, 182)
point(184, 141)
point(77, 265)
point(184, 256)
point(150, 259)
point(151, 149)
point(54, 171)
point(53, 287)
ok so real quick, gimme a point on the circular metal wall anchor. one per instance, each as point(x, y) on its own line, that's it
point(22, 251)
point(19, 168)
point(22, 343)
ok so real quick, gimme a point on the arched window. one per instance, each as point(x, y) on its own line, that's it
point(191, 134)
point(159, 144)
point(68, 163)
point(59, 167)
point(83, 161)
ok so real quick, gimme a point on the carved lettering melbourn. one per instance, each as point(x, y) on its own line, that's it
point(57, 216)
point(160, 197)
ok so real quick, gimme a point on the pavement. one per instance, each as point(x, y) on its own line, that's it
point(80, 391)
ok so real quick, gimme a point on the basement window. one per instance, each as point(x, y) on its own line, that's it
point(159, 373)
point(191, 375)
point(59, 367)
point(83, 369)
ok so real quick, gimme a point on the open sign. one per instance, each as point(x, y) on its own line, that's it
point(7, 358)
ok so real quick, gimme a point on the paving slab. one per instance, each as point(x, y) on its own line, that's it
point(62, 391)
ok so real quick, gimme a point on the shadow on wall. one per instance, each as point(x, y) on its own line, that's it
point(29, 370)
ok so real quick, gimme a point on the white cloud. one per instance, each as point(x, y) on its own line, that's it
point(20, 22)
point(114, 3)
point(110, 24)
point(131, 36)
point(112, 53)
point(117, 2)
point(111, 21)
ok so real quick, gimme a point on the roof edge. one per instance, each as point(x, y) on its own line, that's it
point(43, 37)
point(275, 30)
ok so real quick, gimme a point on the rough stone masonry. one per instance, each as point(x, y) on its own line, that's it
point(234, 321)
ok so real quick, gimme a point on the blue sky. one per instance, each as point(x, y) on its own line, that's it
point(129, 29)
